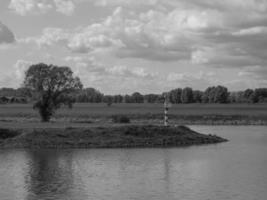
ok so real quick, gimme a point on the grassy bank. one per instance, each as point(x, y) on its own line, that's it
point(104, 137)
point(208, 114)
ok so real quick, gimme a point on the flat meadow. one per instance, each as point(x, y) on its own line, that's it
point(93, 113)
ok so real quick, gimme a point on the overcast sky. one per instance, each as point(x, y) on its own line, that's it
point(122, 46)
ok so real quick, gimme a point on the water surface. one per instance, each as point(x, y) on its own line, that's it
point(234, 170)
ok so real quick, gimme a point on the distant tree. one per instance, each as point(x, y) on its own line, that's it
point(118, 98)
point(8, 92)
point(151, 98)
point(52, 86)
point(249, 96)
point(221, 94)
point(187, 95)
point(108, 99)
point(137, 98)
point(197, 96)
point(24, 92)
point(127, 99)
point(90, 95)
point(260, 95)
point(209, 95)
point(175, 96)
point(233, 97)
point(217, 94)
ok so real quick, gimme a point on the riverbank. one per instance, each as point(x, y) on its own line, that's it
point(105, 137)
point(142, 114)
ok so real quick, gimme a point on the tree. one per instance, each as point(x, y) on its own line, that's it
point(108, 99)
point(217, 94)
point(127, 99)
point(221, 94)
point(248, 96)
point(137, 98)
point(118, 98)
point(90, 95)
point(197, 96)
point(175, 95)
point(151, 98)
point(260, 95)
point(52, 86)
point(187, 95)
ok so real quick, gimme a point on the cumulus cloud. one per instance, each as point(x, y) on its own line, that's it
point(50, 36)
point(153, 35)
point(25, 7)
point(112, 79)
point(124, 2)
point(210, 33)
point(20, 68)
point(249, 77)
point(6, 35)
point(84, 65)
point(80, 40)
point(65, 6)
point(255, 72)
point(205, 33)
point(251, 31)
point(201, 79)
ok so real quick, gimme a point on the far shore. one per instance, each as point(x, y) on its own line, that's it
point(175, 120)
point(89, 114)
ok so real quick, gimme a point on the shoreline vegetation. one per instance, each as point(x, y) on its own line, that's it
point(123, 136)
point(87, 114)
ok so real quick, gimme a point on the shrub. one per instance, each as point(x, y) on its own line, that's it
point(120, 119)
point(8, 133)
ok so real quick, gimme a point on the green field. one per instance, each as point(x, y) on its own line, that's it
point(144, 113)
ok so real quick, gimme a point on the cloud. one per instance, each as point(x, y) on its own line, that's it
point(14, 76)
point(20, 68)
point(80, 40)
point(226, 56)
point(249, 77)
point(251, 31)
point(124, 2)
point(6, 35)
point(25, 7)
point(255, 72)
point(50, 36)
point(207, 33)
point(65, 6)
point(152, 35)
point(84, 65)
point(201, 80)
point(111, 79)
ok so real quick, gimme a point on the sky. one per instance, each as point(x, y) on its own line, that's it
point(123, 46)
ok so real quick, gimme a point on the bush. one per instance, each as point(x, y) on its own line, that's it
point(120, 119)
point(8, 133)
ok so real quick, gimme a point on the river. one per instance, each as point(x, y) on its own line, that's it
point(236, 170)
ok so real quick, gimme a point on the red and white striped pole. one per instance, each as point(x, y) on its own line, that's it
point(166, 109)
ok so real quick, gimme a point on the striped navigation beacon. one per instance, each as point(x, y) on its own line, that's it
point(167, 105)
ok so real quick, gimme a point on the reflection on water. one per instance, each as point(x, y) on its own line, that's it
point(50, 175)
point(234, 170)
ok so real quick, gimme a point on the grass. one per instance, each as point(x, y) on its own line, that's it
point(144, 113)
point(104, 137)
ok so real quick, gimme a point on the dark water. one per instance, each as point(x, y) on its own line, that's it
point(235, 170)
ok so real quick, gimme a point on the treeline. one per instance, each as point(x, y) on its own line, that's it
point(218, 94)
point(215, 94)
